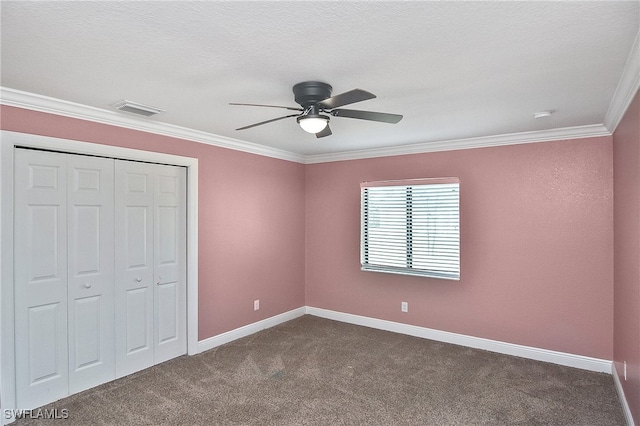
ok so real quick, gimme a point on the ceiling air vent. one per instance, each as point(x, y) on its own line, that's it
point(134, 108)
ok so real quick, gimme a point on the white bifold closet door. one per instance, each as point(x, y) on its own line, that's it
point(150, 259)
point(64, 274)
point(90, 291)
point(100, 271)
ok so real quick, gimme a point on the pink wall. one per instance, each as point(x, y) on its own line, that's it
point(536, 245)
point(626, 335)
point(251, 219)
point(537, 237)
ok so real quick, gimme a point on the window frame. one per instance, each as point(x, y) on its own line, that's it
point(448, 261)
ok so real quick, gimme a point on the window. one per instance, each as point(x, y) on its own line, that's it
point(411, 227)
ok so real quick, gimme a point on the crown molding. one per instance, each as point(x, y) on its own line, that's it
point(40, 103)
point(627, 88)
point(594, 130)
point(31, 101)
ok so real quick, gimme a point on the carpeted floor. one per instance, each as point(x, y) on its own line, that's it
point(313, 371)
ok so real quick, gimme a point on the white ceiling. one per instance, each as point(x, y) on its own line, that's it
point(455, 70)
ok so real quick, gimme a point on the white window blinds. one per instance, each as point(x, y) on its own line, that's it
point(411, 227)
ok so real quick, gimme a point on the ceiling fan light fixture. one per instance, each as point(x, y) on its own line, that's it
point(313, 123)
point(317, 106)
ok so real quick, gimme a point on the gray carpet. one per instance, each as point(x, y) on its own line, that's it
point(313, 371)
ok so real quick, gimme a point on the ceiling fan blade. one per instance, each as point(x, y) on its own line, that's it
point(346, 98)
point(325, 132)
point(367, 115)
point(268, 121)
point(269, 106)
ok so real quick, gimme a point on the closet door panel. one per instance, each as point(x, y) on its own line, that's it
point(40, 274)
point(91, 271)
point(170, 263)
point(100, 271)
point(134, 266)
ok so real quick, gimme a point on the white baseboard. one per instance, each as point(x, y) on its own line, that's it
point(561, 358)
point(570, 360)
point(229, 336)
point(623, 400)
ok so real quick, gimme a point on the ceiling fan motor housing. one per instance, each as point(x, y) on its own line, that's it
point(309, 93)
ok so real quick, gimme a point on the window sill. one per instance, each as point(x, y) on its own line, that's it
point(411, 272)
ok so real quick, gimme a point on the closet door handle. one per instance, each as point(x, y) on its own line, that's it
point(138, 279)
point(87, 285)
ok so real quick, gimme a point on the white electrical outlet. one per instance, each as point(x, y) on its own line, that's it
point(256, 304)
point(404, 306)
point(625, 370)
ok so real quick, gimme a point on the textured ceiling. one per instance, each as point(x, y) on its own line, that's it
point(453, 69)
